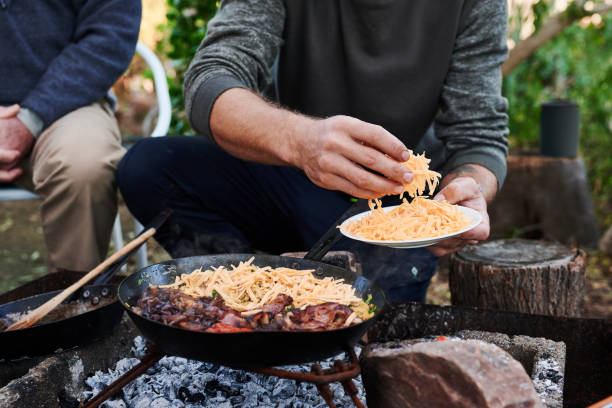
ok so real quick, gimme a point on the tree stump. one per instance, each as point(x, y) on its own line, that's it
point(519, 275)
point(545, 198)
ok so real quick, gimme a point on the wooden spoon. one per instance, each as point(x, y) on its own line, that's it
point(35, 315)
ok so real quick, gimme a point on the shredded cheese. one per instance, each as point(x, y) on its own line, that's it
point(420, 219)
point(418, 164)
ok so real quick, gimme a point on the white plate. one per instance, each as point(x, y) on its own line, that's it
point(473, 215)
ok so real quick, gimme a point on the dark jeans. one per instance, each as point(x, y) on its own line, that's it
point(223, 204)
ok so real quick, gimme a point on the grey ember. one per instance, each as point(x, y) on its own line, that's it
point(176, 382)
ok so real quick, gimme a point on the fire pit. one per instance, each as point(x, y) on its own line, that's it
point(41, 384)
point(176, 381)
point(589, 355)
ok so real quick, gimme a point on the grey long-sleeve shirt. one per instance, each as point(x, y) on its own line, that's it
point(400, 64)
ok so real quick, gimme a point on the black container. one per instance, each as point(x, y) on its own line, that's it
point(559, 129)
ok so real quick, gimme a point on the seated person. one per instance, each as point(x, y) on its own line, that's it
point(58, 134)
point(357, 84)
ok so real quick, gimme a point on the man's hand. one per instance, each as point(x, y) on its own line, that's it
point(339, 153)
point(15, 143)
point(471, 186)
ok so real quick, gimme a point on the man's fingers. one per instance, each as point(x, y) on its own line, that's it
point(7, 176)
point(7, 156)
point(334, 182)
point(8, 111)
point(360, 177)
point(449, 243)
point(375, 160)
point(439, 251)
point(480, 232)
point(460, 189)
point(377, 137)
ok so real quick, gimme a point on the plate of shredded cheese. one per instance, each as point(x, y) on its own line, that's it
point(413, 224)
point(420, 223)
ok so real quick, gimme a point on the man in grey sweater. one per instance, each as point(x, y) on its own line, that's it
point(307, 103)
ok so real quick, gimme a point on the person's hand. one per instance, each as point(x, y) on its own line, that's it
point(342, 153)
point(9, 111)
point(15, 143)
point(466, 192)
point(7, 157)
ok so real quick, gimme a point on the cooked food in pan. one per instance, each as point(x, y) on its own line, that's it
point(247, 297)
point(62, 311)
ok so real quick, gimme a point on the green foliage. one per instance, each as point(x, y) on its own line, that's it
point(184, 31)
point(575, 65)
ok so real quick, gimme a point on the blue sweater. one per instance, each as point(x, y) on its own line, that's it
point(59, 55)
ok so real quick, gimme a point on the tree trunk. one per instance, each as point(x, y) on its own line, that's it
point(519, 275)
point(545, 198)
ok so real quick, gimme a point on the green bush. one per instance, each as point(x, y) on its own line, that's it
point(576, 65)
point(183, 33)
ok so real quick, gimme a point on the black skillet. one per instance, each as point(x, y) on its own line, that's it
point(73, 331)
point(251, 349)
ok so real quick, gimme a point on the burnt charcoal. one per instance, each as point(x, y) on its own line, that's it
point(113, 404)
point(553, 375)
point(211, 388)
point(161, 402)
point(176, 382)
point(142, 401)
point(284, 389)
point(186, 395)
point(242, 377)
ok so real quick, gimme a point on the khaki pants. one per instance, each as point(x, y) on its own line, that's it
point(72, 168)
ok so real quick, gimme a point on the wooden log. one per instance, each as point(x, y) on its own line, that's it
point(545, 198)
point(519, 275)
point(605, 243)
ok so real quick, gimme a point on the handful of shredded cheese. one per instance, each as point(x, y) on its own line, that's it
point(420, 219)
point(418, 164)
point(247, 287)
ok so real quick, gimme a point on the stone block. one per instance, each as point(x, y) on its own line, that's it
point(452, 373)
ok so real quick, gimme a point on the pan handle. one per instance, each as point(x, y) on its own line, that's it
point(114, 268)
point(333, 235)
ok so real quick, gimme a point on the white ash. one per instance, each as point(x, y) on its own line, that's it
point(547, 377)
point(176, 382)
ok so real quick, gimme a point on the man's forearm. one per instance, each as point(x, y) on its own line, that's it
point(245, 125)
point(483, 176)
point(336, 153)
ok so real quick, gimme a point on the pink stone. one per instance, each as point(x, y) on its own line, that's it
point(452, 373)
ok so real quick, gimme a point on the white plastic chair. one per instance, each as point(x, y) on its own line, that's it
point(164, 108)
